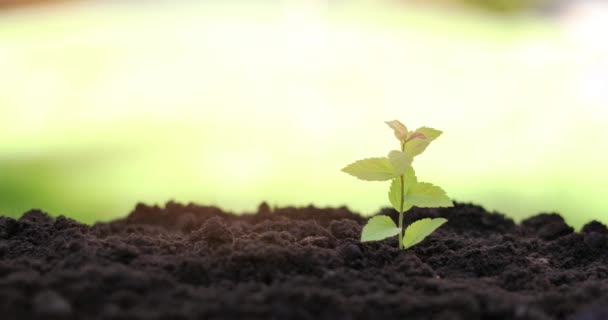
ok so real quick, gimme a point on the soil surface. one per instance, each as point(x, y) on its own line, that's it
point(195, 262)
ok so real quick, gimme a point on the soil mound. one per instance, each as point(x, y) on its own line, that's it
point(198, 262)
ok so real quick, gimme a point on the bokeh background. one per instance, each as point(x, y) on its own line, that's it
point(107, 103)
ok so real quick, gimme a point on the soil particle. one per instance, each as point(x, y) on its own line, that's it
point(548, 226)
point(199, 262)
point(49, 304)
point(36, 216)
point(213, 232)
point(595, 226)
point(345, 229)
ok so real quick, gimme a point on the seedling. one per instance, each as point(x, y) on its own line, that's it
point(405, 191)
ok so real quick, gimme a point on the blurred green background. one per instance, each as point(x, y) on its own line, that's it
point(107, 103)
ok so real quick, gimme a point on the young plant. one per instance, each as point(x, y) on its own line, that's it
point(405, 191)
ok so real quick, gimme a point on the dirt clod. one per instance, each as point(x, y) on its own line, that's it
point(548, 226)
point(51, 305)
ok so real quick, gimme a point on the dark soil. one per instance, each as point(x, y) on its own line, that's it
point(193, 262)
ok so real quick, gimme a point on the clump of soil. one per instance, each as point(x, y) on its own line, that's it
point(195, 262)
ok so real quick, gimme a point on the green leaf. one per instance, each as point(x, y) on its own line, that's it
point(378, 228)
point(410, 179)
point(399, 128)
point(417, 231)
point(417, 145)
point(371, 169)
point(400, 161)
point(395, 193)
point(426, 195)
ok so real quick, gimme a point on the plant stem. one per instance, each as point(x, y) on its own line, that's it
point(401, 203)
point(400, 240)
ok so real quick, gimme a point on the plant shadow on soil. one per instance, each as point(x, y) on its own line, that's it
point(197, 262)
